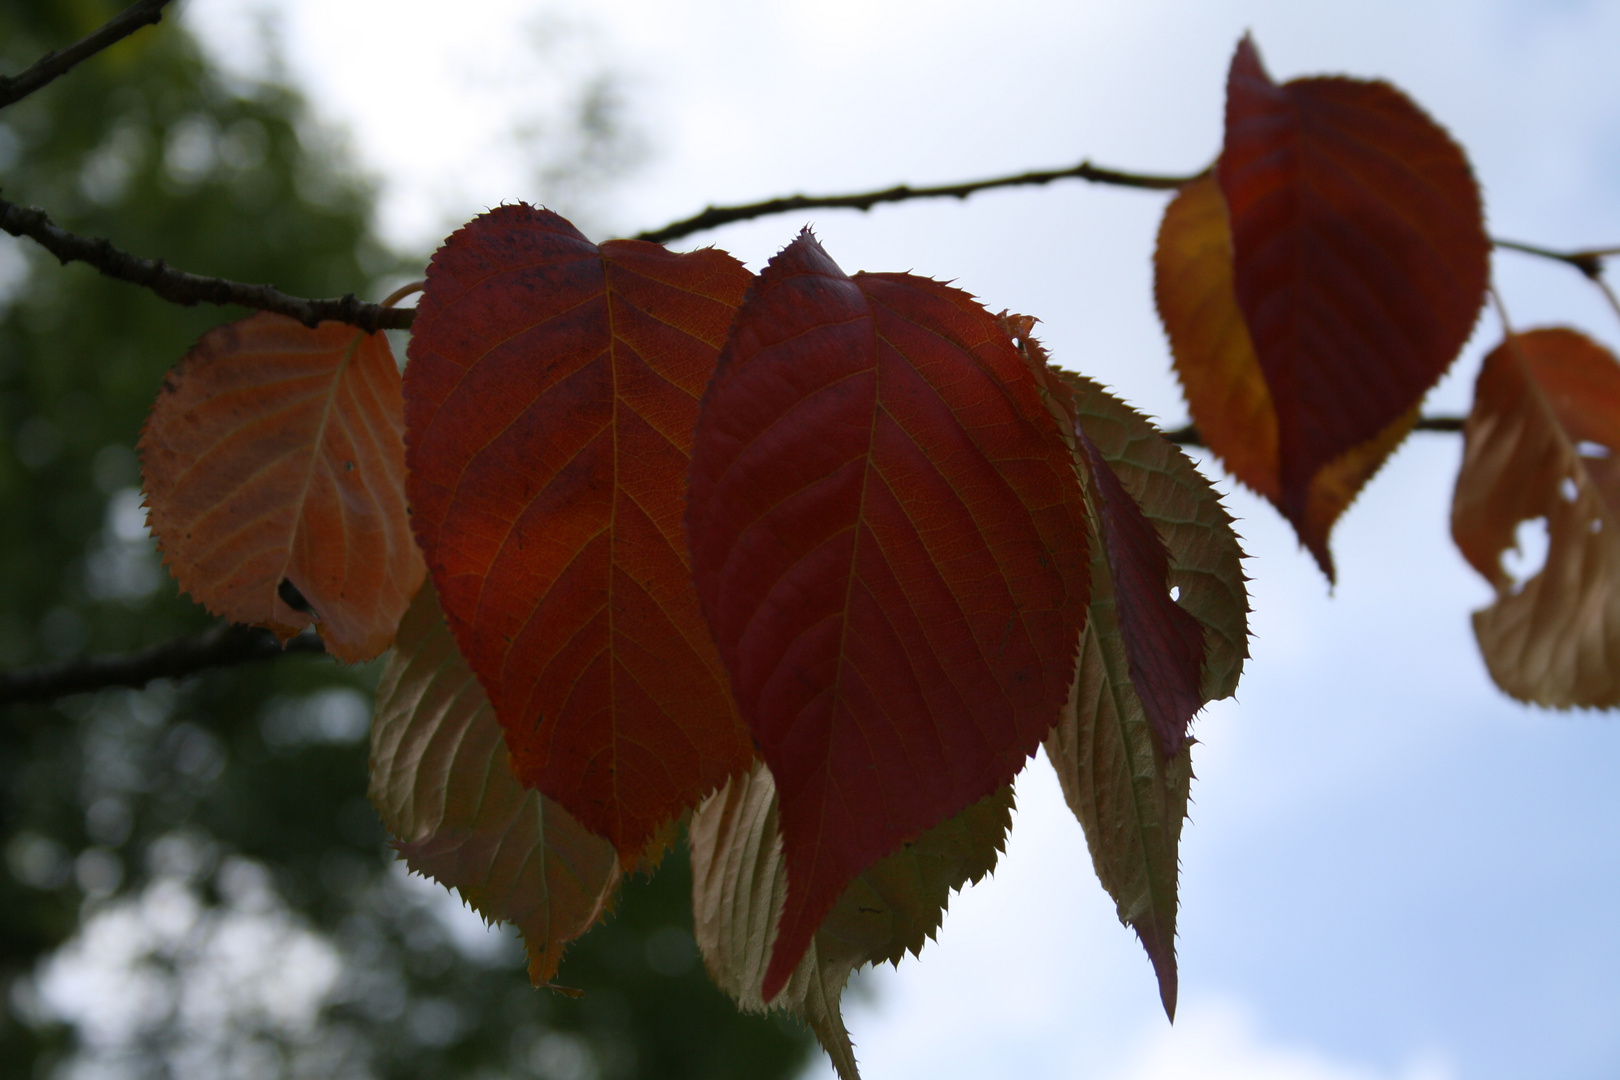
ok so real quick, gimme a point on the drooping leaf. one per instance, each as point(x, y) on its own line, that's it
point(1128, 786)
point(888, 540)
point(274, 471)
point(1220, 374)
point(1543, 441)
point(1359, 262)
point(441, 779)
point(550, 401)
point(739, 885)
point(1164, 645)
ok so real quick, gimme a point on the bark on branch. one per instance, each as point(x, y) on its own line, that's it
point(715, 216)
point(1188, 435)
point(226, 645)
point(55, 64)
point(179, 287)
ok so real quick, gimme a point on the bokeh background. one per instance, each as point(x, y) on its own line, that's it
point(1391, 872)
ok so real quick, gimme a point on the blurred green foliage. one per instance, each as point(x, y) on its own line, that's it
point(193, 882)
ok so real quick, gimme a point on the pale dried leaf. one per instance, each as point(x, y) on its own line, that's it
point(739, 883)
point(442, 782)
point(1542, 441)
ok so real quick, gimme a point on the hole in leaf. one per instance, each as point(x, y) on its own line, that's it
point(1595, 525)
point(1567, 488)
point(1589, 449)
point(1528, 555)
point(1175, 592)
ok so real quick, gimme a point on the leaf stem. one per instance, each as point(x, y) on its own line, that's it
point(58, 62)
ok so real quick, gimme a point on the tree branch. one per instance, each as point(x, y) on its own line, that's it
point(226, 645)
point(50, 66)
point(179, 287)
point(1588, 261)
point(715, 216)
point(1188, 435)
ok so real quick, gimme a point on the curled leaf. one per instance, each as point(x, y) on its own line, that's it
point(1359, 262)
point(1543, 441)
point(275, 472)
point(551, 397)
point(888, 541)
point(1221, 376)
point(1127, 786)
point(441, 779)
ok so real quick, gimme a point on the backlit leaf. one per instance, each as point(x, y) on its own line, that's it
point(274, 472)
point(1360, 258)
point(1221, 376)
point(551, 396)
point(739, 885)
point(889, 542)
point(442, 782)
point(1122, 781)
point(1543, 441)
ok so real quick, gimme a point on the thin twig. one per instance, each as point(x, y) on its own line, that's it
point(54, 64)
point(179, 287)
point(1588, 261)
point(225, 645)
point(1188, 435)
point(715, 216)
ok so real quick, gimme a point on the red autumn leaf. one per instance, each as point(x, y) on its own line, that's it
point(273, 457)
point(888, 539)
point(550, 401)
point(1221, 376)
point(1543, 441)
point(1360, 257)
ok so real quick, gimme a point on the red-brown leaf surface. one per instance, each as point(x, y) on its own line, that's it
point(1221, 376)
point(550, 401)
point(1543, 441)
point(1360, 257)
point(273, 454)
point(888, 540)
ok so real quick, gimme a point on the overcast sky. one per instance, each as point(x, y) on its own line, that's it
point(1391, 871)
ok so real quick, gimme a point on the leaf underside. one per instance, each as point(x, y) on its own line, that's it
point(1543, 441)
point(550, 401)
point(888, 541)
point(442, 782)
point(1360, 258)
point(1128, 792)
point(739, 886)
point(274, 455)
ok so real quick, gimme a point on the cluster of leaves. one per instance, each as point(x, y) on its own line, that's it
point(113, 801)
point(816, 562)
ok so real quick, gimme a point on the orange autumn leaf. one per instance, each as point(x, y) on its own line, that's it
point(1221, 376)
point(274, 469)
point(1543, 441)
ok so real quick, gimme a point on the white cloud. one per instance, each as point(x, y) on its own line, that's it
point(1220, 1040)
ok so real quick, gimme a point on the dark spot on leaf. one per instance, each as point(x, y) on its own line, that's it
point(292, 597)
